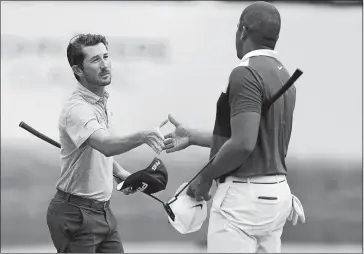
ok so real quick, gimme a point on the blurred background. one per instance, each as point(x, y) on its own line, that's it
point(166, 55)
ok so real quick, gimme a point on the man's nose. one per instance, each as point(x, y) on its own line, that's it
point(103, 63)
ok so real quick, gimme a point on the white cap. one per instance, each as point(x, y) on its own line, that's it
point(189, 213)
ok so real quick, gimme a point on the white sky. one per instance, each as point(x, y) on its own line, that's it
point(324, 42)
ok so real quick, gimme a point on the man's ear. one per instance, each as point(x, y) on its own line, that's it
point(243, 33)
point(77, 70)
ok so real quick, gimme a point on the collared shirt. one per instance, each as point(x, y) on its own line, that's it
point(251, 84)
point(84, 171)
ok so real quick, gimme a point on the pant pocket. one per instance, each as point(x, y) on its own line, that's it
point(269, 204)
point(268, 193)
point(111, 220)
point(56, 229)
point(67, 217)
point(74, 220)
point(220, 196)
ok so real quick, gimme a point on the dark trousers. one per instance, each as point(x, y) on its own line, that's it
point(82, 225)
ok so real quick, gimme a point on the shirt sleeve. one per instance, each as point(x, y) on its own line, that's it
point(245, 92)
point(81, 122)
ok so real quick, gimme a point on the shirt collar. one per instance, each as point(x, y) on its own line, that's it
point(261, 52)
point(90, 96)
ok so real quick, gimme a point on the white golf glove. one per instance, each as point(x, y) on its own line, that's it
point(296, 211)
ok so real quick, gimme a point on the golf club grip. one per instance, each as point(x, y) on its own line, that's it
point(285, 87)
point(39, 135)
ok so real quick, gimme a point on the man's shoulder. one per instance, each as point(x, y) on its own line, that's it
point(265, 64)
point(74, 101)
point(241, 73)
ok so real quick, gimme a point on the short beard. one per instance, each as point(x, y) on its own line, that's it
point(97, 82)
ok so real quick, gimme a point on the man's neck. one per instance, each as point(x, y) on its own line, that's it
point(255, 47)
point(98, 90)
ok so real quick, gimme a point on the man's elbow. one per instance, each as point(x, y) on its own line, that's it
point(245, 148)
point(101, 146)
point(106, 150)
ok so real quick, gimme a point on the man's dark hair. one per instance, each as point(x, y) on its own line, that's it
point(262, 22)
point(75, 55)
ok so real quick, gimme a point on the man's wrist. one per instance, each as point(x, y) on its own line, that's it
point(118, 178)
point(199, 138)
point(205, 176)
point(122, 175)
point(191, 136)
point(143, 137)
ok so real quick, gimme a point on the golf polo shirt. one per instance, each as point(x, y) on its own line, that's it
point(84, 171)
point(251, 84)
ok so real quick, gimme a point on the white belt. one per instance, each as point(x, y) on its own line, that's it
point(257, 179)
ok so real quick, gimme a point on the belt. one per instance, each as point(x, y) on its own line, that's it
point(91, 203)
point(274, 179)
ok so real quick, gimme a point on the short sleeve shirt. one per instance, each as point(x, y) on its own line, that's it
point(84, 171)
point(251, 85)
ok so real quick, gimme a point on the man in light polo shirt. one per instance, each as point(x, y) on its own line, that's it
point(79, 216)
point(253, 200)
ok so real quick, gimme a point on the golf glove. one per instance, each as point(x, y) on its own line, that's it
point(296, 211)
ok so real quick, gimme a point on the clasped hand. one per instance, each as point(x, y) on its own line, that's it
point(178, 139)
point(174, 141)
point(155, 138)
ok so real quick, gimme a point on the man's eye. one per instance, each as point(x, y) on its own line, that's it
point(106, 57)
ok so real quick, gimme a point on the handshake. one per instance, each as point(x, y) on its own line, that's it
point(154, 178)
point(177, 140)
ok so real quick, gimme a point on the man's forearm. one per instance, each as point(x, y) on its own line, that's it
point(200, 138)
point(229, 157)
point(115, 145)
point(119, 172)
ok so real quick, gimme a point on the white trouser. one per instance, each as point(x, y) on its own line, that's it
point(244, 220)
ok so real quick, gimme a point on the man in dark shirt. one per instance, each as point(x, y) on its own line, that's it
point(253, 200)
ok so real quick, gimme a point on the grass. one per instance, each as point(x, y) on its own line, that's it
point(330, 191)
